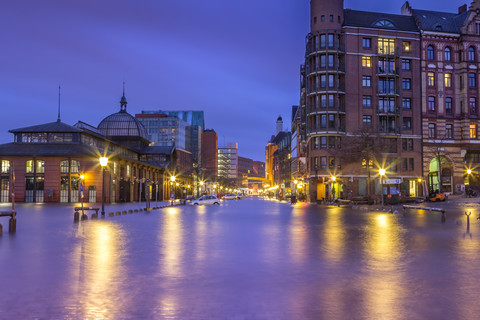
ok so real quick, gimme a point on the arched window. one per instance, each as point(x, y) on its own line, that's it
point(430, 53)
point(471, 54)
point(447, 54)
point(384, 23)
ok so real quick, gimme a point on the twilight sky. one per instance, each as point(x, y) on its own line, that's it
point(236, 60)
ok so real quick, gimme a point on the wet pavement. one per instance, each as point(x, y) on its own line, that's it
point(244, 259)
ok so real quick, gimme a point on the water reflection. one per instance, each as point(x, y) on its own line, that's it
point(385, 273)
point(97, 268)
point(333, 232)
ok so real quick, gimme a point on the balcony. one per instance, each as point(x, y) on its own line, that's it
point(330, 69)
point(388, 110)
point(311, 48)
point(325, 109)
point(322, 131)
point(388, 72)
point(388, 51)
point(324, 89)
point(389, 91)
point(390, 131)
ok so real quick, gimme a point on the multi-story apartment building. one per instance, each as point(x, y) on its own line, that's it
point(450, 95)
point(360, 86)
point(259, 169)
point(209, 158)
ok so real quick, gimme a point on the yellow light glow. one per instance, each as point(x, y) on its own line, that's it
point(381, 171)
point(295, 181)
point(176, 184)
point(103, 161)
point(334, 178)
point(82, 176)
point(201, 183)
point(188, 186)
point(419, 179)
point(172, 178)
point(469, 171)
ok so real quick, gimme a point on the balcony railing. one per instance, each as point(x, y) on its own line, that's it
point(388, 51)
point(388, 91)
point(388, 72)
point(389, 130)
point(312, 48)
point(337, 130)
point(319, 68)
point(388, 110)
point(313, 89)
point(330, 109)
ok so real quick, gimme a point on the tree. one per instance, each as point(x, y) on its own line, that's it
point(362, 147)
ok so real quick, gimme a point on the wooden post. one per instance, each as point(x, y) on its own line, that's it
point(76, 216)
point(1, 229)
point(12, 224)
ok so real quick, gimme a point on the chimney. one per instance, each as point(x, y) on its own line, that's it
point(462, 9)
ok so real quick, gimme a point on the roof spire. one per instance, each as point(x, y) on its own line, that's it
point(58, 119)
point(123, 101)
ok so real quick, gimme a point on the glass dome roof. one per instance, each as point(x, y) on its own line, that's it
point(122, 124)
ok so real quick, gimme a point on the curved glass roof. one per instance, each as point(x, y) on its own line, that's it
point(122, 124)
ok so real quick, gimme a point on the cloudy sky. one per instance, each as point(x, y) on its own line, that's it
point(236, 60)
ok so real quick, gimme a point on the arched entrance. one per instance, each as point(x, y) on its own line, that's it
point(440, 175)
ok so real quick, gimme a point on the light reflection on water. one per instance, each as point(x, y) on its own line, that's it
point(247, 259)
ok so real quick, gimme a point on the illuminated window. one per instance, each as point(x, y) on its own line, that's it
point(5, 166)
point(431, 79)
point(29, 166)
point(75, 166)
point(448, 80)
point(473, 131)
point(386, 46)
point(64, 166)
point(406, 46)
point(40, 166)
point(128, 170)
point(367, 61)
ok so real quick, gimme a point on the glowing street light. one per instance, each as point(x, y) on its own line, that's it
point(382, 173)
point(103, 163)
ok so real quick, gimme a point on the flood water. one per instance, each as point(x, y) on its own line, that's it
point(246, 259)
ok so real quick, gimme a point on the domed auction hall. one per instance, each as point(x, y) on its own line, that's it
point(122, 124)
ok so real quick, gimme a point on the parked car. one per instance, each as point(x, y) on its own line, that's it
point(208, 199)
point(239, 196)
point(230, 196)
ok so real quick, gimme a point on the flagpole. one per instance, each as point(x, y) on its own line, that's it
point(13, 190)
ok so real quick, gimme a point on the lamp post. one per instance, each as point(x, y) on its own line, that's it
point(103, 163)
point(382, 173)
point(333, 178)
point(201, 186)
point(172, 180)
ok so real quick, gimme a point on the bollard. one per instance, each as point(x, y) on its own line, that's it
point(76, 217)
point(124, 212)
point(136, 210)
point(468, 219)
point(84, 217)
point(94, 216)
point(117, 213)
point(110, 214)
point(130, 211)
point(443, 217)
point(1, 229)
point(12, 225)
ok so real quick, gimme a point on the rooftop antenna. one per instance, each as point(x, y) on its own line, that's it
point(58, 119)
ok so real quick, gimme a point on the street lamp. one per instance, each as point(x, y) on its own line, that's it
point(382, 173)
point(103, 163)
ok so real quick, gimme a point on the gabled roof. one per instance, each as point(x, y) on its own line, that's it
point(47, 150)
point(440, 21)
point(355, 18)
point(56, 126)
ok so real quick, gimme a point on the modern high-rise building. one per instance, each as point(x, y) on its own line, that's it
point(361, 105)
point(163, 130)
point(193, 130)
point(209, 149)
point(228, 161)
